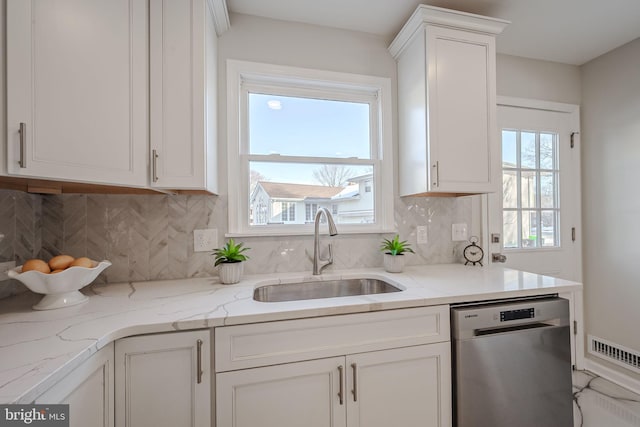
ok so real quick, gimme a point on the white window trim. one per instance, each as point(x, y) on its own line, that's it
point(306, 80)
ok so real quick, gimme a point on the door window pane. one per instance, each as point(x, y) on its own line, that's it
point(529, 229)
point(509, 189)
point(549, 229)
point(547, 151)
point(547, 190)
point(528, 152)
point(509, 149)
point(529, 189)
point(510, 220)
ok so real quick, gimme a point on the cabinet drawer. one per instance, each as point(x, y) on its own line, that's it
point(248, 346)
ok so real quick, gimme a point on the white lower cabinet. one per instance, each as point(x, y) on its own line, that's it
point(361, 370)
point(290, 395)
point(164, 380)
point(406, 387)
point(88, 390)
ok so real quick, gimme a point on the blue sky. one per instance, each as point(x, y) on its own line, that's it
point(306, 127)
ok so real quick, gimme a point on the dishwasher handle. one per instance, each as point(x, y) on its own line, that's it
point(547, 324)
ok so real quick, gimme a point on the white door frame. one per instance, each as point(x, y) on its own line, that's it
point(534, 104)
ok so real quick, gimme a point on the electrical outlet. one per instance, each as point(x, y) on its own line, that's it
point(205, 240)
point(4, 267)
point(459, 232)
point(421, 234)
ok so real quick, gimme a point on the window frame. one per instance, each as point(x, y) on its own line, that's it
point(537, 171)
point(244, 77)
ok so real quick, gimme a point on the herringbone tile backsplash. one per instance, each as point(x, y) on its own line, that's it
point(145, 237)
point(149, 237)
point(20, 225)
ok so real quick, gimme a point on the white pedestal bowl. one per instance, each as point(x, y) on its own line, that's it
point(59, 289)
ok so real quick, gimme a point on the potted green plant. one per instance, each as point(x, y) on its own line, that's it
point(230, 259)
point(394, 250)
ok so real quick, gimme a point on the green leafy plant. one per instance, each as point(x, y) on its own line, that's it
point(395, 246)
point(230, 253)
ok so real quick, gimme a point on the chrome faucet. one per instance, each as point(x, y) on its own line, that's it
point(319, 263)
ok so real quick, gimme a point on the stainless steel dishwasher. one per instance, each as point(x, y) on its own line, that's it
point(512, 364)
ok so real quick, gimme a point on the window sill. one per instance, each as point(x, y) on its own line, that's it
point(323, 231)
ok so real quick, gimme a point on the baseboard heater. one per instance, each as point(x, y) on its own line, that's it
point(614, 353)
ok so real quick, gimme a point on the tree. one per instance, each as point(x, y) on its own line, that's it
point(254, 177)
point(332, 175)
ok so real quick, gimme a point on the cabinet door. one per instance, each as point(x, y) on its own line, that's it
point(77, 77)
point(462, 140)
point(158, 382)
point(183, 46)
point(408, 387)
point(88, 390)
point(290, 395)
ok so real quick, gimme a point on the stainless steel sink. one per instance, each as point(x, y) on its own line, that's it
point(322, 289)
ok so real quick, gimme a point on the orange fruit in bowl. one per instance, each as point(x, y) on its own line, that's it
point(37, 265)
point(60, 262)
point(82, 262)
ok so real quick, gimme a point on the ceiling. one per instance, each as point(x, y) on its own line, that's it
point(567, 31)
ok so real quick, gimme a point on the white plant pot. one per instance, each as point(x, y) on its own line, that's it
point(230, 272)
point(394, 263)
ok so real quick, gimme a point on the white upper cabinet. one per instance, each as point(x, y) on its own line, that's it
point(183, 81)
point(77, 78)
point(448, 141)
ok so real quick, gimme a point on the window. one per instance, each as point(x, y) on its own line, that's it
point(260, 213)
point(307, 138)
point(287, 212)
point(310, 211)
point(530, 200)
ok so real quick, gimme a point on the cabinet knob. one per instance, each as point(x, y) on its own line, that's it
point(496, 257)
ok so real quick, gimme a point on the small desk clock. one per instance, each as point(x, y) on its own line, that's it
point(473, 253)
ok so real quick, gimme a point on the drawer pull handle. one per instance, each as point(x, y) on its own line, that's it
point(341, 391)
point(355, 382)
point(154, 165)
point(199, 363)
point(23, 139)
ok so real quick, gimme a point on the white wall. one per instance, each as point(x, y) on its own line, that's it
point(531, 78)
point(611, 194)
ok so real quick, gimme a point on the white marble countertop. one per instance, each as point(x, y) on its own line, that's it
point(37, 348)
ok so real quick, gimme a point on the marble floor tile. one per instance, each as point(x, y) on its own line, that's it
point(598, 402)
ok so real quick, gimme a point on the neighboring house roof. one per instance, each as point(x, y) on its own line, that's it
point(361, 177)
point(280, 190)
point(348, 192)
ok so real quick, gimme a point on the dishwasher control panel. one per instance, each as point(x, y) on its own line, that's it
point(472, 320)
point(523, 313)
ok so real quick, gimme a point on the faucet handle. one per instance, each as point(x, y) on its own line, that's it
point(330, 259)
